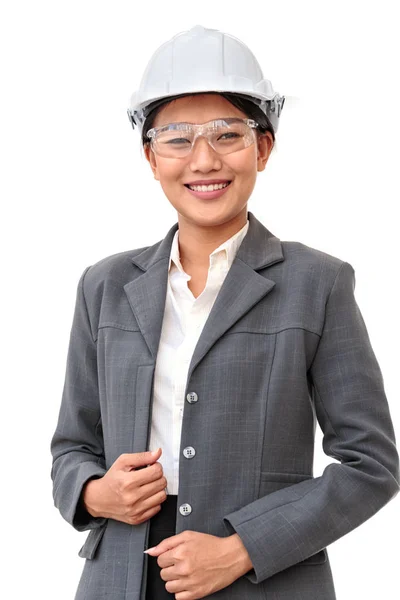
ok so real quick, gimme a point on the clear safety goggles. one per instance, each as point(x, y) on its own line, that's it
point(227, 135)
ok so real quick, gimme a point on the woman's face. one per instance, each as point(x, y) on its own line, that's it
point(205, 163)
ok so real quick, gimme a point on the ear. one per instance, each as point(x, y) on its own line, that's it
point(151, 157)
point(265, 143)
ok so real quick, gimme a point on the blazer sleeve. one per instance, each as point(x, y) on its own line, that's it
point(291, 524)
point(77, 444)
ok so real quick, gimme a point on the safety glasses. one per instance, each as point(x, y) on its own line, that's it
point(225, 135)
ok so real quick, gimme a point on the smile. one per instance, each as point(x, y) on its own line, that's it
point(208, 191)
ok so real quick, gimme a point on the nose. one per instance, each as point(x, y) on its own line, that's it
point(203, 156)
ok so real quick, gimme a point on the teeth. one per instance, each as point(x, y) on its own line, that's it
point(208, 188)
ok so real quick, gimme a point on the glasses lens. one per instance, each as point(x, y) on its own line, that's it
point(174, 140)
point(225, 135)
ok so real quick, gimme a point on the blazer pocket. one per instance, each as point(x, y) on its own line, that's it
point(92, 542)
point(272, 481)
point(315, 559)
point(284, 477)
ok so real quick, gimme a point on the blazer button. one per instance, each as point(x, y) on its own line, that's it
point(185, 509)
point(192, 397)
point(189, 452)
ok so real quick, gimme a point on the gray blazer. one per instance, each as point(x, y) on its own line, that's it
point(285, 345)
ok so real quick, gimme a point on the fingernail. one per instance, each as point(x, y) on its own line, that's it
point(149, 549)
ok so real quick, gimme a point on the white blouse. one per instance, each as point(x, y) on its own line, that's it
point(184, 318)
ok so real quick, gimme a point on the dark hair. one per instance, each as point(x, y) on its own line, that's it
point(243, 103)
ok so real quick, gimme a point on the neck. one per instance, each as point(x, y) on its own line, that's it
point(196, 243)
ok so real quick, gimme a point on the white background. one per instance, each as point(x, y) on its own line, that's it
point(75, 188)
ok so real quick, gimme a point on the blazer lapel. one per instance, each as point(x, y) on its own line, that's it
point(242, 288)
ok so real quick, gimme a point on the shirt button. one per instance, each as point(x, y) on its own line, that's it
point(185, 509)
point(192, 397)
point(189, 452)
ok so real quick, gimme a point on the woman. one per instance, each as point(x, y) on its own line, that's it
point(217, 349)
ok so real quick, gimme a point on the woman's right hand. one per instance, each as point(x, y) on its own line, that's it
point(128, 492)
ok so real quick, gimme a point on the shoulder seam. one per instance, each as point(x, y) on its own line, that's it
point(85, 304)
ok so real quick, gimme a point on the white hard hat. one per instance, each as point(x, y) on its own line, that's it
point(203, 60)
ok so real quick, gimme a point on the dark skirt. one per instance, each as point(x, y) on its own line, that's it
point(162, 525)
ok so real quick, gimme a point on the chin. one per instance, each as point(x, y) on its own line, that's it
point(210, 216)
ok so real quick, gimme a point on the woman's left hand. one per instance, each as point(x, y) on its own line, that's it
point(195, 564)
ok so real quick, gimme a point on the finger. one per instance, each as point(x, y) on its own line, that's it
point(166, 561)
point(147, 514)
point(147, 475)
point(146, 503)
point(154, 488)
point(169, 573)
point(166, 544)
point(128, 461)
point(180, 587)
